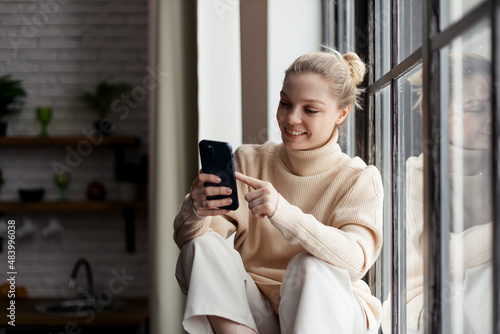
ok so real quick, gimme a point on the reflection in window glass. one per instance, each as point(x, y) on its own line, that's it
point(382, 37)
point(410, 131)
point(409, 28)
point(465, 91)
point(410, 106)
point(453, 10)
point(383, 163)
point(468, 67)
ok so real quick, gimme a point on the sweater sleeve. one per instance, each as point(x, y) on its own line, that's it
point(188, 225)
point(355, 239)
point(470, 249)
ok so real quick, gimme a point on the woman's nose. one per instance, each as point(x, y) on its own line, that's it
point(293, 116)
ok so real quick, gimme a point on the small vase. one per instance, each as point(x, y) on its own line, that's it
point(96, 191)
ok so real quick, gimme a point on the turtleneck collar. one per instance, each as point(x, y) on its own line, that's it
point(312, 162)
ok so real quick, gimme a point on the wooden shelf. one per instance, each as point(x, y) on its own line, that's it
point(134, 314)
point(68, 140)
point(118, 143)
point(84, 206)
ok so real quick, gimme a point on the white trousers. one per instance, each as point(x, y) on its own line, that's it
point(316, 297)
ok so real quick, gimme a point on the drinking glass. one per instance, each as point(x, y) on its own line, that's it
point(62, 180)
point(44, 115)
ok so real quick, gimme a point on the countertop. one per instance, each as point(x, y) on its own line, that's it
point(133, 314)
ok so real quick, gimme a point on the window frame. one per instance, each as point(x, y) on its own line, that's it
point(436, 194)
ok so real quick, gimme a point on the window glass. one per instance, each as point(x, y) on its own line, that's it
point(383, 163)
point(453, 10)
point(466, 113)
point(466, 85)
point(409, 27)
point(382, 37)
point(409, 103)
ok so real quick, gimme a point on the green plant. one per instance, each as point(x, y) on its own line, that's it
point(11, 94)
point(103, 95)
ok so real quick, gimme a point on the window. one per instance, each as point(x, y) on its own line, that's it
point(433, 115)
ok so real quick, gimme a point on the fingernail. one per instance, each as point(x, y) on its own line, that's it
point(217, 179)
point(229, 201)
point(228, 191)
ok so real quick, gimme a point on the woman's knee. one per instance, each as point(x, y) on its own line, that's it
point(307, 263)
point(203, 243)
point(305, 266)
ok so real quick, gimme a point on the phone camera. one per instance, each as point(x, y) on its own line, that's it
point(207, 151)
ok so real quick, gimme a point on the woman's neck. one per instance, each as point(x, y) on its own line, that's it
point(472, 162)
point(312, 162)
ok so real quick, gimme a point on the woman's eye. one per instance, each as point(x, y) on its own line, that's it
point(284, 104)
point(475, 106)
point(310, 111)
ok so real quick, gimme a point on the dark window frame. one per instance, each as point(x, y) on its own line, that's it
point(435, 193)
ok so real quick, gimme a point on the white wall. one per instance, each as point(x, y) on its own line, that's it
point(294, 28)
point(219, 71)
point(173, 124)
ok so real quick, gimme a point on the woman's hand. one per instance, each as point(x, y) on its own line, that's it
point(199, 193)
point(262, 201)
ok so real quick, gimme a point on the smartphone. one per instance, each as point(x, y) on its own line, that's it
point(217, 158)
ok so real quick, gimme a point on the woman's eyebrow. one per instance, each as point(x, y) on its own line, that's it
point(307, 101)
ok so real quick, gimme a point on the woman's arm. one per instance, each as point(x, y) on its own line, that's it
point(188, 225)
point(197, 213)
point(354, 239)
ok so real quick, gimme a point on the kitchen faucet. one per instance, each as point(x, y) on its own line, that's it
point(90, 281)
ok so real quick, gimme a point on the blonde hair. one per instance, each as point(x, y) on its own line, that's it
point(342, 72)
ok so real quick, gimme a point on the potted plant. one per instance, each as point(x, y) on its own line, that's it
point(11, 99)
point(101, 99)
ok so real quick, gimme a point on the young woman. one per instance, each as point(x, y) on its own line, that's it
point(308, 228)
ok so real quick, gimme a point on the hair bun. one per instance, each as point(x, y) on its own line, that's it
point(356, 65)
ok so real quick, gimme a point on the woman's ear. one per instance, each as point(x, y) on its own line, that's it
point(343, 115)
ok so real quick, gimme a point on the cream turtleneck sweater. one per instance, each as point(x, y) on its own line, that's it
point(330, 205)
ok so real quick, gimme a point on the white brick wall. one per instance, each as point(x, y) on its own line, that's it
point(58, 48)
point(44, 264)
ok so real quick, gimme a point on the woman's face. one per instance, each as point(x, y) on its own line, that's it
point(307, 113)
point(470, 120)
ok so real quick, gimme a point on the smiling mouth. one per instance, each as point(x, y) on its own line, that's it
point(294, 133)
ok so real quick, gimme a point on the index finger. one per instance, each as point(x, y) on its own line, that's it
point(251, 181)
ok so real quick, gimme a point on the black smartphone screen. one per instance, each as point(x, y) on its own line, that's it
point(217, 158)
